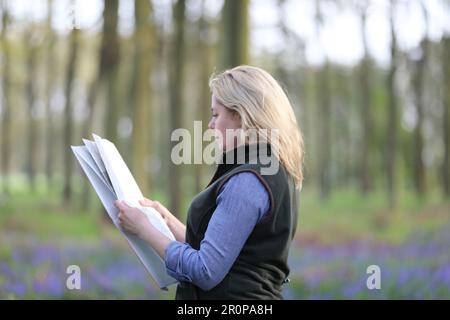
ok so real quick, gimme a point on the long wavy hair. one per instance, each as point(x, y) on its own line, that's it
point(262, 104)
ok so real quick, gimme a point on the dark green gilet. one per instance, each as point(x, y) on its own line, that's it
point(261, 267)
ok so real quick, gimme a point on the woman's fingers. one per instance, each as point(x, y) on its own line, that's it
point(149, 203)
point(146, 202)
point(117, 204)
point(121, 205)
point(155, 205)
point(120, 219)
point(122, 210)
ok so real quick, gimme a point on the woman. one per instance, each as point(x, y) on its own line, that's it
point(240, 227)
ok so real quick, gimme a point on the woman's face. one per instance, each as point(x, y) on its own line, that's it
point(222, 120)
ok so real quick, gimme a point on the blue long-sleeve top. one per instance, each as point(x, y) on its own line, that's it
point(241, 203)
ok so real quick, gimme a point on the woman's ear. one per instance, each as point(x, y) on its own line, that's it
point(237, 117)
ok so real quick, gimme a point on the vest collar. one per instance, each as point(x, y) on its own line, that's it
point(248, 153)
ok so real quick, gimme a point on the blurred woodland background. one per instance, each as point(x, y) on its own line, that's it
point(370, 85)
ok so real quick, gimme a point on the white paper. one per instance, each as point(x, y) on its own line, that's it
point(112, 180)
point(107, 197)
point(93, 150)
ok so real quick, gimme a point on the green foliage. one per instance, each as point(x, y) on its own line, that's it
point(347, 215)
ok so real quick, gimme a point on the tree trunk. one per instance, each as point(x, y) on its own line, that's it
point(110, 66)
point(235, 33)
point(205, 66)
point(141, 97)
point(176, 78)
point(94, 90)
point(50, 66)
point(446, 118)
point(6, 110)
point(323, 106)
point(68, 123)
point(105, 83)
point(366, 113)
point(391, 152)
point(31, 99)
point(323, 98)
point(97, 88)
point(344, 156)
point(419, 90)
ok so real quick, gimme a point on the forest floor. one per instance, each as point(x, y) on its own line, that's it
point(336, 241)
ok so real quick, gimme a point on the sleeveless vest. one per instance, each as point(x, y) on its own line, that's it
point(261, 267)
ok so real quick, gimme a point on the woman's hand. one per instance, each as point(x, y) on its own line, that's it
point(176, 226)
point(163, 211)
point(134, 221)
point(131, 219)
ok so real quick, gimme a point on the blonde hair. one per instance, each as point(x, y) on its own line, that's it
point(262, 104)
